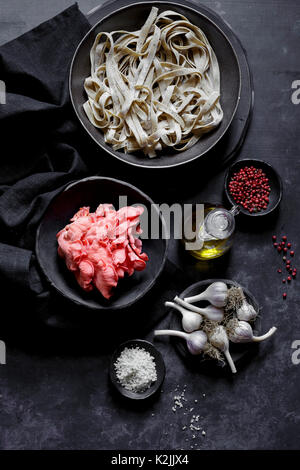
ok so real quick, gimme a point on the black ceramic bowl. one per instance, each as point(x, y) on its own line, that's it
point(131, 17)
point(274, 180)
point(237, 351)
point(91, 192)
point(160, 369)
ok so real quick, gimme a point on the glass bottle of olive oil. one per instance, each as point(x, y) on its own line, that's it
point(214, 235)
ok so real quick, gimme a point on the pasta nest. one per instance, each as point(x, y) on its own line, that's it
point(153, 88)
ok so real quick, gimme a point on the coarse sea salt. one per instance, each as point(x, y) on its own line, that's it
point(135, 369)
point(194, 427)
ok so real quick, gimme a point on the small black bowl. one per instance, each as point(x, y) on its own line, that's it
point(274, 180)
point(160, 369)
point(91, 192)
point(238, 351)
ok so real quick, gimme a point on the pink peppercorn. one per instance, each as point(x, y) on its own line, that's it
point(249, 187)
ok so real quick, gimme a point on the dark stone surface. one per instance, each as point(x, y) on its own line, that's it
point(54, 388)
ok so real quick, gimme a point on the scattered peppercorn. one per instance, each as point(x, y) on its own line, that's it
point(284, 246)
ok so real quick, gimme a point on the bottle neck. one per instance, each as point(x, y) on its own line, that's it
point(219, 223)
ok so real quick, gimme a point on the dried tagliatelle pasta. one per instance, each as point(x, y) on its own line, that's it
point(155, 87)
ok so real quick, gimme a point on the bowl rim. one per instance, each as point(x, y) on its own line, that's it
point(107, 149)
point(62, 292)
point(128, 393)
point(253, 161)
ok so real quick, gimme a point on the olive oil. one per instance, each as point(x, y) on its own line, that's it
point(214, 235)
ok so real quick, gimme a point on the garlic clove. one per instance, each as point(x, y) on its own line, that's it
point(243, 333)
point(191, 321)
point(219, 339)
point(196, 341)
point(211, 313)
point(246, 312)
point(216, 293)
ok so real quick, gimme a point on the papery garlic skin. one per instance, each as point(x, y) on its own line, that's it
point(243, 333)
point(191, 321)
point(216, 293)
point(219, 339)
point(246, 312)
point(196, 341)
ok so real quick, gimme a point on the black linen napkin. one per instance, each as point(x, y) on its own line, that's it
point(43, 149)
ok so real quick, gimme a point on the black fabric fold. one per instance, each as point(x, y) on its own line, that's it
point(37, 121)
point(46, 149)
point(38, 129)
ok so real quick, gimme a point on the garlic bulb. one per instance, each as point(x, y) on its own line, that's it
point(216, 294)
point(246, 312)
point(243, 333)
point(196, 341)
point(219, 339)
point(191, 321)
point(211, 313)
